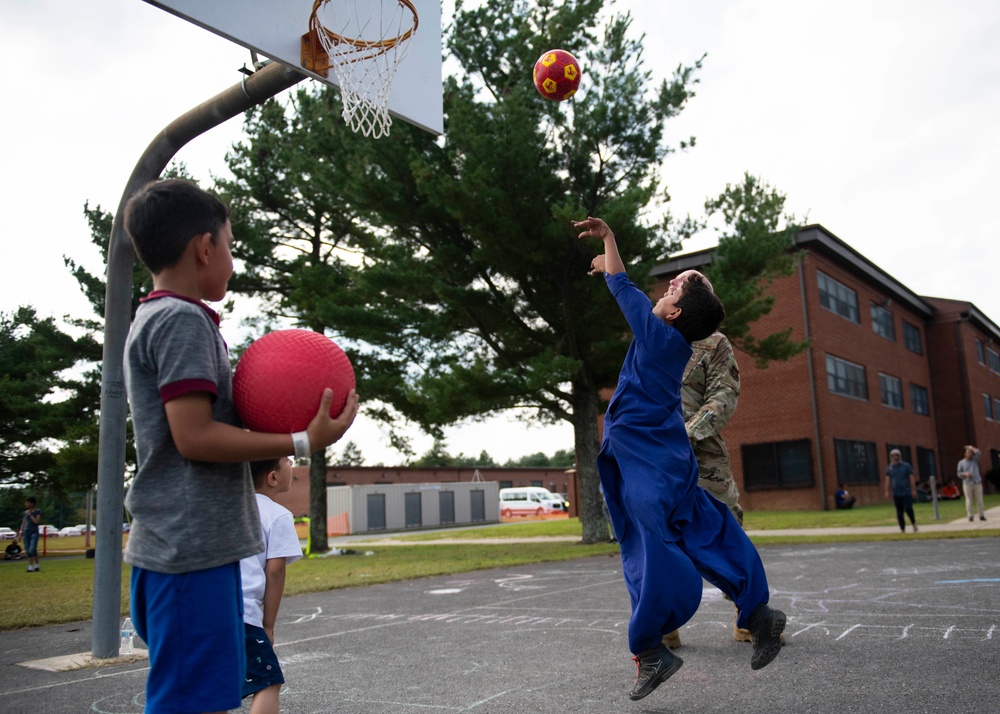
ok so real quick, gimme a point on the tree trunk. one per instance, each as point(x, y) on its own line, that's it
point(317, 503)
point(591, 502)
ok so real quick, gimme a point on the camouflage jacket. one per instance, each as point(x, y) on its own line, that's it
point(711, 387)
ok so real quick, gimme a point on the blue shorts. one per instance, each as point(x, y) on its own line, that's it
point(193, 626)
point(263, 670)
point(31, 545)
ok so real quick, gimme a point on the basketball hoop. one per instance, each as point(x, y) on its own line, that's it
point(363, 41)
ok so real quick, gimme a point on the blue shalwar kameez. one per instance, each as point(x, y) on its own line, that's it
point(672, 533)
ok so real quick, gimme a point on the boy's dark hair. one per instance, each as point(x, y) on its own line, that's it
point(31, 500)
point(701, 310)
point(164, 216)
point(260, 469)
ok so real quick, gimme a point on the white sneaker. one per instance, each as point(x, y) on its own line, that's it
point(914, 527)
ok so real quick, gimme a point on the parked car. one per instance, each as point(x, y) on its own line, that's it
point(7, 533)
point(83, 528)
point(70, 531)
point(526, 501)
point(48, 531)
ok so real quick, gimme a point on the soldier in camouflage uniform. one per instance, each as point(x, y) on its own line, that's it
point(710, 392)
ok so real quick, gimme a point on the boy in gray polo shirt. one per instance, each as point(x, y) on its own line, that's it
point(192, 499)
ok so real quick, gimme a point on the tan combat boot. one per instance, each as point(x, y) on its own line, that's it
point(672, 640)
point(740, 634)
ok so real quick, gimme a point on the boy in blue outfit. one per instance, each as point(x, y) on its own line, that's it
point(192, 499)
point(264, 582)
point(672, 533)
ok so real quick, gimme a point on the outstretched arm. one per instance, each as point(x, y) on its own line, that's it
point(200, 438)
point(611, 261)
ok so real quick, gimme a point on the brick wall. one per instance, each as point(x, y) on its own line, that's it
point(776, 403)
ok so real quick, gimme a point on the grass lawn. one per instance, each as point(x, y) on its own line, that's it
point(883, 514)
point(63, 591)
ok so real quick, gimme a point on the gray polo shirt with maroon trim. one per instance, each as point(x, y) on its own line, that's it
point(187, 515)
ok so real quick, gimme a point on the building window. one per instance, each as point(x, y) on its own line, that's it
point(925, 463)
point(537, 484)
point(846, 378)
point(882, 323)
point(891, 389)
point(783, 464)
point(857, 461)
point(919, 400)
point(838, 298)
point(505, 484)
point(994, 360)
point(996, 408)
point(988, 406)
point(911, 338)
point(980, 352)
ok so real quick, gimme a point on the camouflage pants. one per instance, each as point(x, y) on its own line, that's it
point(716, 474)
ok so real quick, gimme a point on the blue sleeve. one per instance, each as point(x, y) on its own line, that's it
point(651, 332)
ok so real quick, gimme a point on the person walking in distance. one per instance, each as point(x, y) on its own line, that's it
point(28, 533)
point(902, 484)
point(972, 482)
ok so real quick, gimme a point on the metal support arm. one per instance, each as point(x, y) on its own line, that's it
point(261, 86)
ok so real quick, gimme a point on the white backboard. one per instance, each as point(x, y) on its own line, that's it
point(274, 29)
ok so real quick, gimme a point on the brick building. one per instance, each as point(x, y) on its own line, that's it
point(886, 368)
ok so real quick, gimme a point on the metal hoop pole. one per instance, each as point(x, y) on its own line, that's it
point(256, 89)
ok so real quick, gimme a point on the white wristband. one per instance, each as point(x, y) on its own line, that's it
point(300, 440)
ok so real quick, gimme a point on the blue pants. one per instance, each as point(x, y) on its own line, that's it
point(193, 625)
point(31, 544)
point(672, 535)
point(904, 504)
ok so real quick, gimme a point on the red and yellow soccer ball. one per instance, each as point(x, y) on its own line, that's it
point(557, 75)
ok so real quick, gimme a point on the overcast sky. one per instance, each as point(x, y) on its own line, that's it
point(879, 120)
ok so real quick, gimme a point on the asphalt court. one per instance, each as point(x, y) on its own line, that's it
point(872, 627)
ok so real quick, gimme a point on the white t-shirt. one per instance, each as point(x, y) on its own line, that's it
point(280, 541)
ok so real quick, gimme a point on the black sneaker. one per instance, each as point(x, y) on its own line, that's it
point(982, 518)
point(655, 667)
point(766, 625)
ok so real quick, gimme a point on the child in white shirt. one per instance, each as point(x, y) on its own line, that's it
point(264, 582)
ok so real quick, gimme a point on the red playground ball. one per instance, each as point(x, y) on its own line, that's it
point(557, 75)
point(279, 380)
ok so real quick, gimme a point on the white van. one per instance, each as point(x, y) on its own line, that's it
point(526, 501)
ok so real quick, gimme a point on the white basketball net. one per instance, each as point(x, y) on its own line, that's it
point(365, 40)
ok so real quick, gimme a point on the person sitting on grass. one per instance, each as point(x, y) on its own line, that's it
point(844, 498)
point(950, 492)
point(13, 551)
